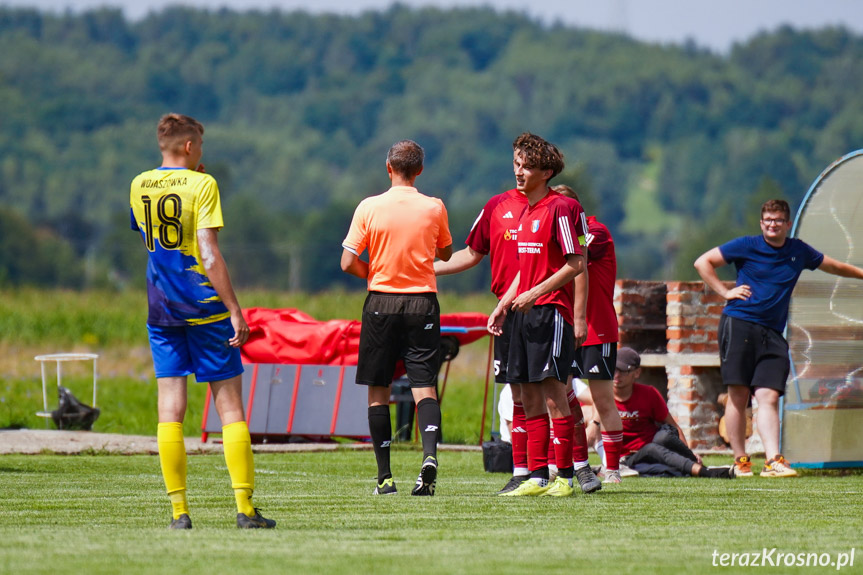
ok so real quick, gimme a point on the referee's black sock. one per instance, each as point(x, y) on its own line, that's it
point(428, 419)
point(381, 430)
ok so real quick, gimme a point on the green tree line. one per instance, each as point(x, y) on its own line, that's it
point(673, 147)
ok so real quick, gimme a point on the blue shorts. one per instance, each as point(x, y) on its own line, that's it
point(200, 349)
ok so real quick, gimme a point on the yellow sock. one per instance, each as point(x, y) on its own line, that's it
point(172, 456)
point(244, 501)
point(179, 503)
point(241, 465)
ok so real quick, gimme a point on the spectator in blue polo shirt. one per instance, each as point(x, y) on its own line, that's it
point(753, 352)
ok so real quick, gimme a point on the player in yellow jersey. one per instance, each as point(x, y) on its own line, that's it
point(195, 322)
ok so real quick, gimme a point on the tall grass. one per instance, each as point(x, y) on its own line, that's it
point(112, 324)
point(31, 317)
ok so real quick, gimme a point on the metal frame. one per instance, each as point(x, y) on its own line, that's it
point(794, 231)
point(59, 358)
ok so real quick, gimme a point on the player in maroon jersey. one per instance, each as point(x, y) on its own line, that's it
point(595, 359)
point(538, 308)
point(494, 232)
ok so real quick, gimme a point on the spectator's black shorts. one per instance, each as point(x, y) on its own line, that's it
point(399, 326)
point(541, 346)
point(501, 350)
point(752, 355)
point(595, 361)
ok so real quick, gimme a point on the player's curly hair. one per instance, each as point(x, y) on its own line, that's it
point(776, 206)
point(175, 130)
point(406, 158)
point(539, 154)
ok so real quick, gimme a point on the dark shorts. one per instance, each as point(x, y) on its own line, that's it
point(666, 454)
point(595, 361)
point(203, 349)
point(541, 346)
point(501, 350)
point(399, 326)
point(752, 355)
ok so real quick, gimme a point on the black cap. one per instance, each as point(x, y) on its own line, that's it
point(627, 359)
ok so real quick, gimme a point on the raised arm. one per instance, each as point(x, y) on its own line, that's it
point(838, 268)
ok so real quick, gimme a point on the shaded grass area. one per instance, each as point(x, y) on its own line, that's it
point(104, 514)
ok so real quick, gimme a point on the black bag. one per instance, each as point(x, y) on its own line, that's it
point(497, 456)
point(72, 414)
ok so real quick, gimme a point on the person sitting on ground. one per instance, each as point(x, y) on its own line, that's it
point(594, 437)
point(653, 443)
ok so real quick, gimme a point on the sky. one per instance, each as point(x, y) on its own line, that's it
point(714, 25)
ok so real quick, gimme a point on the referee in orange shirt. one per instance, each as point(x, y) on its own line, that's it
point(403, 231)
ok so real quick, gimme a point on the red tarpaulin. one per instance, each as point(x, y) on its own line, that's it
point(289, 336)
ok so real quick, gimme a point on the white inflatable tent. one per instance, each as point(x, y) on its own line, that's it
point(822, 423)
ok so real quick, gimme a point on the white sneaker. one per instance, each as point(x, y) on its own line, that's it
point(612, 476)
point(627, 471)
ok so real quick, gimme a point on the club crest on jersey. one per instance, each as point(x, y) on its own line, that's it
point(534, 226)
point(507, 236)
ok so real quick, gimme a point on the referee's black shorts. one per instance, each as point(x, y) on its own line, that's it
point(752, 355)
point(399, 326)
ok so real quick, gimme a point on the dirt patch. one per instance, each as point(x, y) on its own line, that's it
point(36, 441)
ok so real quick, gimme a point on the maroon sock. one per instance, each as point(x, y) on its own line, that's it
point(563, 431)
point(519, 440)
point(537, 442)
point(612, 441)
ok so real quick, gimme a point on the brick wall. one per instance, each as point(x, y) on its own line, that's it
point(674, 326)
point(692, 310)
point(640, 307)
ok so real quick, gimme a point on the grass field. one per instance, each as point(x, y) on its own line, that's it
point(107, 514)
